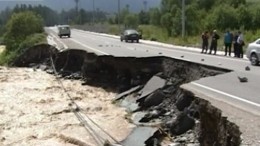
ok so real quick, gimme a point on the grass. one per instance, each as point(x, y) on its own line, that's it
point(159, 34)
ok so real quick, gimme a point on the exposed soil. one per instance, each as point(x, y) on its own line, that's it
point(179, 115)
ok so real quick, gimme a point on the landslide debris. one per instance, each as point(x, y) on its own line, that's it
point(150, 91)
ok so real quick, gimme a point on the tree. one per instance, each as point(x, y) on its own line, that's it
point(223, 17)
point(155, 16)
point(131, 21)
point(166, 22)
point(20, 26)
point(256, 18)
point(144, 17)
point(245, 18)
point(206, 4)
point(237, 3)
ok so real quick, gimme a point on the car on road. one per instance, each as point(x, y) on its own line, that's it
point(64, 30)
point(253, 52)
point(130, 35)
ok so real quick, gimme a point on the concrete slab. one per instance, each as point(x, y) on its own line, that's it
point(123, 94)
point(138, 136)
point(153, 84)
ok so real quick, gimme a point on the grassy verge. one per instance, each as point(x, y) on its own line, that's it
point(9, 54)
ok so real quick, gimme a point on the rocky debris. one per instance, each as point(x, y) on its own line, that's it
point(182, 124)
point(242, 79)
point(140, 136)
point(130, 91)
point(247, 68)
point(153, 99)
point(153, 84)
point(179, 113)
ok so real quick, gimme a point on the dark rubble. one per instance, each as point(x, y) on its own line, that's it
point(149, 88)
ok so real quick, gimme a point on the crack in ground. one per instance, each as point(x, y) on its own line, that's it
point(159, 102)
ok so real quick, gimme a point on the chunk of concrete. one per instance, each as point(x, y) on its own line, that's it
point(183, 101)
point(182, 124)
point(139, 136)
point(153, 99)
point(153, 84)
point(130, 91)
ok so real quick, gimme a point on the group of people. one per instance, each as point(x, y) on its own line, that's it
point(236, 40)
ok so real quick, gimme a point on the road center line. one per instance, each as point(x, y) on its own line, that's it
point(226, 94)
point(88, 47)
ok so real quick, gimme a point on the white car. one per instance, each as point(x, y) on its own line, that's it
point(253, 52)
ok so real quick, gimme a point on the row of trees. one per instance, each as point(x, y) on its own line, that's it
point(51, 17)
point(200, 15)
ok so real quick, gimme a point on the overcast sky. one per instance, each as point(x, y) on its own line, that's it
point(105, 5)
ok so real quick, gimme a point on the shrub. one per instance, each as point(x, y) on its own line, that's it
point(23, 30)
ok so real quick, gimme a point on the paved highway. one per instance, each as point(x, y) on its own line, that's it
point(226, 87)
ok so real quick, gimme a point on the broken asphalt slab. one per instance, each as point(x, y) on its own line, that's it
point(130, 91)
point(153, 84)
point(139, 136)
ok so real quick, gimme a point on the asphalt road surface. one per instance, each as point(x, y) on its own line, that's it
point(225, 87)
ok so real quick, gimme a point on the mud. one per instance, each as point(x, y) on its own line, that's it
point(34, 110)
point(182, 117)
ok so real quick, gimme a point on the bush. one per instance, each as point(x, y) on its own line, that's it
point(20, 26)
point(153, 32)
point(8, 56)
point(23, 30)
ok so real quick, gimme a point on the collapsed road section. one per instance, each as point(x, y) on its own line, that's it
point(149, 89)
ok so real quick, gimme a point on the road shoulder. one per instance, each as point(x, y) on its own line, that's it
point(247, 122)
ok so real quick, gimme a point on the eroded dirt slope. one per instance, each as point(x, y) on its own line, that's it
point(34, 110)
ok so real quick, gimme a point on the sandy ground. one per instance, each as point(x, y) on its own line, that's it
point(34, 110)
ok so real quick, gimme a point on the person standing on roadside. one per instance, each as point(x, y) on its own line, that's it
point(214, 42)
point(228, 42)
point(235, 44)
point(241, 43)
point(205, 41)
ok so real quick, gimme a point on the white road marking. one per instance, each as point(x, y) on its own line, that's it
point(189, 52)
point(88, 47)
point(64, 45)
point(226, 94)
point(161, 47)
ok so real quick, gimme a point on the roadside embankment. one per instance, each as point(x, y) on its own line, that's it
point(150, 92)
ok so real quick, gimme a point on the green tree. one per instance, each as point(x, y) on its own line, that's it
point(155, 16)
point(166, 22)
point(256, 18)
point(131, 21)
point(245, 17)
point(206, 4)
point(223, 17)
point(237, 3)
point(20, 26)
point(144, 17)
